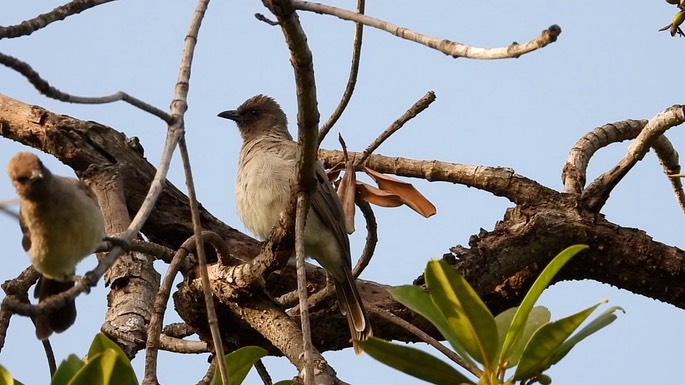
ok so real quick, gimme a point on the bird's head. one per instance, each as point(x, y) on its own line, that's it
point(259, 116)
point(29, 176)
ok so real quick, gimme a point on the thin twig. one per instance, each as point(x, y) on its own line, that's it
point(300, 218)
point(371, 236)
point(445, 46)
point(209, 374)
point(423, 336)
point(5, 210)
point(352, 78)
point(414, 110)
point(27, 27)
point(46, 89)
point(263, 373)
point(202, 265)
point(155, 326)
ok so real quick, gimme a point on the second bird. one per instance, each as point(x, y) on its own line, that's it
point(266, 169)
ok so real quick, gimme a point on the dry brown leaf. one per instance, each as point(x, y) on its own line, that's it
point(409, 195)
point(377, 196)
point(346, 190)
point(333, 172)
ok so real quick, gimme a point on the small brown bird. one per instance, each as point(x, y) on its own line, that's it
point(266, 168)
point(61, 224)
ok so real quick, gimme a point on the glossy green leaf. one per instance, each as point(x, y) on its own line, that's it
point(67, 369)
point(101, 343)
point(538, 353)
point(413, 362)
point(467, 316)
point(5, 377)
point(604, 319)
point(419, 301)
point(518, 324)
point(106, 368)
point(239, 364)
point(538, 316)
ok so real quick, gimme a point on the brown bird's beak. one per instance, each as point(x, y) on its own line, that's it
point(231, 114)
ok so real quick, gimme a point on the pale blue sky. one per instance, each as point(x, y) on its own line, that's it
point(609, 64)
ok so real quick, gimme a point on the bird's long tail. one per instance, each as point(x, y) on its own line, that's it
point(352, 307)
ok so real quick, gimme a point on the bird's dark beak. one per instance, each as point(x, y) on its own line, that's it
point(231, 114)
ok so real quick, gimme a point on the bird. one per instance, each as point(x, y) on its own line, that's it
point(266, 168)
point(61, 224)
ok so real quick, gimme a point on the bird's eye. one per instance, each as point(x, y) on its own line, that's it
point(22, 179)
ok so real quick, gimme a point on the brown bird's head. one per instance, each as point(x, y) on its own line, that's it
point(259, 116)
point(29, 176)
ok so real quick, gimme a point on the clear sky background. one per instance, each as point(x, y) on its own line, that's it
point(609, 64)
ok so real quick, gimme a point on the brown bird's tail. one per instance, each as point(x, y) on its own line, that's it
point(59, 320)
point(352, 307)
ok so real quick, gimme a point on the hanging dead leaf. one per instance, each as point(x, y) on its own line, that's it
point(334, 172)
point(377, 196)
point(409, 195)
point(346, 189)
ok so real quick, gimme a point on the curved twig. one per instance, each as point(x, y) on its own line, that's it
point(445, 46)
point(575, 170)
point(371, 236)
point(596, 195)
point(352, 78)
point(46, 89)
point(27, 27)
point(423, 336)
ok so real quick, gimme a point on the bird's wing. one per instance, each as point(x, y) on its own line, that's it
point(326, 205)
point(26, 235)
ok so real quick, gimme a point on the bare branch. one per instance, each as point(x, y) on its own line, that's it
point(46, 89)
point(27, 27)
point(445, 46)
point(300, 219)
point(575, 170)
point(371, 237)
point(596, 195)
point(155, 326)
point(352, 78)
point(411, 113)
point(499, 181)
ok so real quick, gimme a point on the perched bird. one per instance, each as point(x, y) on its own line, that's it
point(266, 169)
point(61, 224)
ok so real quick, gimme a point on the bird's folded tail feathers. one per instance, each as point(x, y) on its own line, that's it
point(352, 307)
point(62, 318)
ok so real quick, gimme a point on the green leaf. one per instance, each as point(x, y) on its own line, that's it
point(101, 343)
point(106, 368)
point(5, 377)
point(538, 316)
point(413, 362)
point(239, 363)
point(519, 322)
point(67, 369)
point(419, 301)
point(537, 356)
point(598, 323)
point(467, 316)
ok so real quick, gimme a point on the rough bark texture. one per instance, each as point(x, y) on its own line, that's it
point(500, 264)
